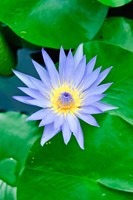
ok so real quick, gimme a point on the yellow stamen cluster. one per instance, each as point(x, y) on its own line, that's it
point(65, 107)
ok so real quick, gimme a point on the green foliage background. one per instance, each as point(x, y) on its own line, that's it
point(104, 170)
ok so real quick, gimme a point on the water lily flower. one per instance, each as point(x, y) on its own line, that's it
point(65, 96)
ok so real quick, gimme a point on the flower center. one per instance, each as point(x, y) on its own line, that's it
point(65, 99)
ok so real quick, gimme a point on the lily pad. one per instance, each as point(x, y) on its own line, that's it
point(120, 93)
point(67, 172)
point(42, 22)
point(7, 58)
point(122, 36)
point(114, 3)
point(16, 138)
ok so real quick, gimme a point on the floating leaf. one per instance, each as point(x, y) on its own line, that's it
point(120, 94)
point(7, 192)
point(16, 138)
point(7, 60)
point(67, 172)
point(117, 183)
point(122, 36)
point(114, 3)
point(42, 22)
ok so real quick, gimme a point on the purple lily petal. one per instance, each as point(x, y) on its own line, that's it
point(29, 100)
point(48, 119)
point(69, 68)
point(42, 103)
point(62, 64)
point(31, 82)
point(79, 73)
point(98, 89)
point(88, 100)
point(72, 122)
point(40, 85)
point(43, 74)
point(90, 66)
point(48, 133)
point(24, 78)
point(79, 136)
point(38, 115)
point(88, 119)
point(78, 55)
point(58, 121)
point(87, 82)
point(102, 76)
point(53, 73)
point(34, 93)
point(66, 132)
point(23, 99)
point(90, 110)
point(104, 106)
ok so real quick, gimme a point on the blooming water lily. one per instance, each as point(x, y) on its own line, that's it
point(65, 96)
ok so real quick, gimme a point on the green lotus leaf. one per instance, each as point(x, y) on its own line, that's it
point(54, 23)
